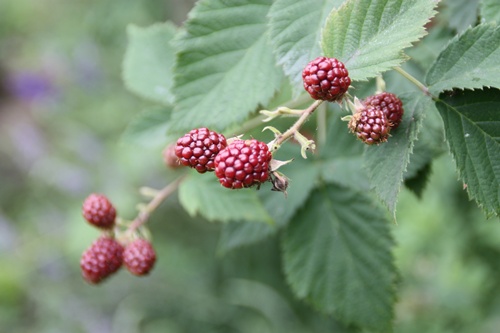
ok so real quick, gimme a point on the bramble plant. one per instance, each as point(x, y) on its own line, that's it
point(389, 73)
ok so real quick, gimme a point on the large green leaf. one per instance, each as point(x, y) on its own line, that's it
point(387, 162)
point(295, 29)
point(472, 126)
point(202, 194)
point(337, 255)
point(149, 127)
point(225, 66)
point(369, 35)
point(470, 61)
point(148, 62)
point(303, 177)
point(490, 10)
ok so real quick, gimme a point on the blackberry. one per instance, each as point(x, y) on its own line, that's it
point(99, 211)
point(103, 258)
point(243, 163)
point(198, 148)
point(326, 79)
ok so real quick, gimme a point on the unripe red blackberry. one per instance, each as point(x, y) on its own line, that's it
point(99, 211)
point(139, 257)
point(170, 158)
point(370, 125)
point(243, 163)
point(198, 148)
point(390, 104)
point(103, 258)
point(326, 79)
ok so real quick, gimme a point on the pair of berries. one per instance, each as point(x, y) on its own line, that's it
point(327, 79)
point(241, 163)
point(378, 115)
point(106, 255)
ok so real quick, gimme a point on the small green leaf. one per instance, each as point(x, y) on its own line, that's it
point(197, 193)
point(338, 256)
point(470, 61)
point(303, 176)
point(225, 65)
point(490, 10)
point(148, 62)
point(472, 125)
point(295, 29)
point(149, 127)
point(387, 162)
point(370, 35)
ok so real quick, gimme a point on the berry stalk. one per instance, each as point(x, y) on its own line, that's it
point(160, 196)
point(413, 80)
point(281, 138)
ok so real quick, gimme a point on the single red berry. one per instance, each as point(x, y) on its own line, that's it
point(326, 79)
point(99, 211)
point(243, 163)
point(103, 258)
point(370, 125)
point(198, 148)
point(390, 104)
point(139, 257)
point(170, 158)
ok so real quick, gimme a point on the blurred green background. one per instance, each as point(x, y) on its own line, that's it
point(63, 108)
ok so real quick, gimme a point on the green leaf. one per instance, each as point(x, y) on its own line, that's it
point(472, 126)
point(490, 10)
point(470, 61)
point(370, 35)
point(225, 66)
point(295, 29)
point(387, 162)
point(148, 62)
point(149, 127)
point(202, 194)
point(337, 255)
point(461, 13)
point(303, 176)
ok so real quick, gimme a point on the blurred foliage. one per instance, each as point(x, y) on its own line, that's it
point(63, 109)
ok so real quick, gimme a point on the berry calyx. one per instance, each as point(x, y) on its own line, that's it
point(99, 211)
point(198, 148)
point(243, 163)
point(390, 104)
point(326, 79)
point(103, 258)
point(139, 257)
point(370, 125)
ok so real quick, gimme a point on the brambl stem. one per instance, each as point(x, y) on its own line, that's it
point(295, 127)
point(413, 80)
point(145, 212)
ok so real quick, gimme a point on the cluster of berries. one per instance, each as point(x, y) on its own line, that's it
point(237, 163)
point(106, 254)
point(327, 79)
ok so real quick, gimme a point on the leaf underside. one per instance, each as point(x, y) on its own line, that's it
point(387, 162)
point(149, 60)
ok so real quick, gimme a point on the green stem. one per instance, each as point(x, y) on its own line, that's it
point(413, 80)
point(295, 127)
point(160, 196)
